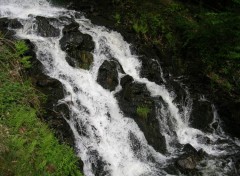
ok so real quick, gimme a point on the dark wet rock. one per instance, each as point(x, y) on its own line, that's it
point(71, 61)
point(188, 161)
point(30, 51)
point(135, 101)
point(179, 90)
point(98, 164)
point(65, 19)
point(203, 139)
point(55, 113)
point(126, 80)
point(80, 59)
point(108, 75)
point(93, 8)
point(236, 162)
point(171, 170)
point(73, 39)
point(72, 27)
point(135, 144)
point(88, 43)
point(45, 28)
point(78, 46)
point(10, 23)
point(138, 149)
point(15, 24)
point(5, 24)
point(202, 115)
point(230, 113)
point(151, 69)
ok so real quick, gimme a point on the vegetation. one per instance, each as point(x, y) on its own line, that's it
point(205, 32)
point(27, 146)
point(143, 111)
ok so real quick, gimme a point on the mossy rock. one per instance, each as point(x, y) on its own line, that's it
point(80, 59)
point(86, 59)
point(108, 75)
point(143, 111)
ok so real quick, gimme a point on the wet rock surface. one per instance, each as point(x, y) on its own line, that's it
point(202, 115)
point(188, 161)
point(151, 68)
point(7, 24)
point(80, 59)
point(229, 111)
point(108, 75)
point(45, 28)
point(98, 164)
point(55, 112)
point(78, 46)
point(135, 101)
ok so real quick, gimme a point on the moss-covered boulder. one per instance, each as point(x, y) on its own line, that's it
point(45, 28)
point(80, 59)
point(136, 102)
point(108, 75)
point(77, 45)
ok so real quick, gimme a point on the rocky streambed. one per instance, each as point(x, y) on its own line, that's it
point(190, 144)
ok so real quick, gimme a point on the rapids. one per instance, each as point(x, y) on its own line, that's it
point(100, 128)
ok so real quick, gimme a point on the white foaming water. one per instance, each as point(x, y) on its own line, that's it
point(101, 130)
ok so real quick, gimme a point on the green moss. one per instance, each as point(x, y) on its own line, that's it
point(27, 145)
point(221, 82)
point(86, 60)
point(143, 111)
point(117, 18)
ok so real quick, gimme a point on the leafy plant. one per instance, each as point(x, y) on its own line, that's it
point(117, 18)
point(140, 27)
point(143, 111)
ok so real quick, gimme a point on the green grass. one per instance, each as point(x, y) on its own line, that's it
point(143, 111)
point(27, 145)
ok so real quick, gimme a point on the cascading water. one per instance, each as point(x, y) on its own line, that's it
point(100, 128)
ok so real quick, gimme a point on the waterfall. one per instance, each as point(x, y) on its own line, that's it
point(100, 128)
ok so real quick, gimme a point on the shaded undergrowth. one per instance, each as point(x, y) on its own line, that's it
point(194, 32)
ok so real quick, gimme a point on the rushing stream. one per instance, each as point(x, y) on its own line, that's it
point(100, 128)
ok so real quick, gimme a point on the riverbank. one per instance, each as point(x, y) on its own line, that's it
point(27, 145)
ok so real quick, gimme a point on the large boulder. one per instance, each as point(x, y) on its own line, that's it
point(77, 45)
point(108, 75)
point(45, 28)
point(73, 39)
point(151, 69)
point(7, 24)
point(80, 59)
point(136, 102)
point(11, 23)
point(187, 162)
point(72, 27)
